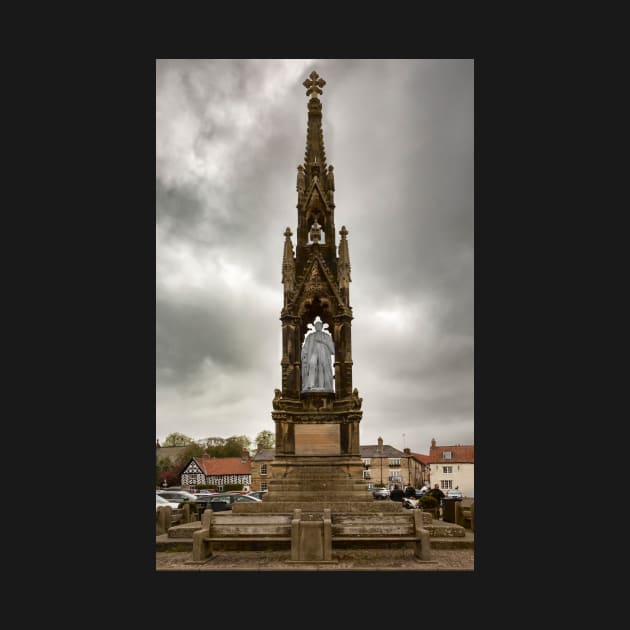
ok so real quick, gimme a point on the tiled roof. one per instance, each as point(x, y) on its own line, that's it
point(371, 450)
point(459, 454)
point(223, 465)
point(265, 454)
point(425, 459)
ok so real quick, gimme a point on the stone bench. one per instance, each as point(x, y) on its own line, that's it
point(238, 530)
point(382, 529)
point(311, 536)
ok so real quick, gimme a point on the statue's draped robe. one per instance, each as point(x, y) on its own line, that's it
point(316, 362)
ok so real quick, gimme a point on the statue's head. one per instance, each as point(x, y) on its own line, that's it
point(318, 325)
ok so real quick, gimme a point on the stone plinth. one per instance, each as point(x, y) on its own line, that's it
point(317, 452)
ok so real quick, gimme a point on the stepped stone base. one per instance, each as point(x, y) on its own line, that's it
point(185, 530)
point(440, 529)
point(458, 542)
point(317, 479)
point(164, 543)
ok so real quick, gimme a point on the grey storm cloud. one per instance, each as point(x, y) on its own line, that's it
point(229, 136)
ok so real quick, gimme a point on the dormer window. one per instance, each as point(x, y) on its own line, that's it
point(447, 455)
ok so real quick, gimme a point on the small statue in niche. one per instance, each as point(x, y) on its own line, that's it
point(355, 399)
point(316, 232)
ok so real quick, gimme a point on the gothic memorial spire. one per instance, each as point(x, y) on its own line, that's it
point(316, 280)
point(317, 412)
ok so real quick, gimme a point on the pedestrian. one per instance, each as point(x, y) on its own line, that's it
point(436, 492)
point(410, 492)
point(396, 494)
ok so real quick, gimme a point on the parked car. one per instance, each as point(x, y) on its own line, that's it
point(203, 500)
point(420, 492)
point(454, 494)
point(259, 494)
point(177, 495)
point(409, 503)
point(222, 502)
point(162, 502)
point(380, 493)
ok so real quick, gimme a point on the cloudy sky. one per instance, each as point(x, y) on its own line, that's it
point(229, 136)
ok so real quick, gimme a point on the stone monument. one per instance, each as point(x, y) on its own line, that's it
point(317, 498)
point(317, 412)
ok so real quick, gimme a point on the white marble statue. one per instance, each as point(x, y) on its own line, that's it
point(318, 348)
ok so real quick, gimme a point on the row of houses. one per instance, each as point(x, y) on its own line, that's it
point(450, 466)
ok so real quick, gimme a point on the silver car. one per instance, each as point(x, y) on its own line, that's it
point(178, 496)
point(454, 494)
point(380, 493)
point(162, 502)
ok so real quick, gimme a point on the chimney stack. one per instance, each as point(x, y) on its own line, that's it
point(380, 445)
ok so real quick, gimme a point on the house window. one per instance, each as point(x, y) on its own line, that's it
point(394, 475)
point(394, 461)
point(263, 485)
point(447, 470)
point(263, 469)
point(366, 474)
point(367, 461)
point(447, 455)
point(446, 484)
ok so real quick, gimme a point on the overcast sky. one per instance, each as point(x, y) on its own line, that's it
point(229, 136)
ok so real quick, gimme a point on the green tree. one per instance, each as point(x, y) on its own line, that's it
point(233, 447)
point(266, 439)
point(243, 440)
point(177, 439)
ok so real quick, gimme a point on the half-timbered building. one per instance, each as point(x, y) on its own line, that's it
point(217, 472)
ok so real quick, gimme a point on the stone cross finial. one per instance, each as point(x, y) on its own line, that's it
point(288, 232)
point(313, 83)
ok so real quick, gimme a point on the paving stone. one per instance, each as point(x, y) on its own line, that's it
point(347, 560)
